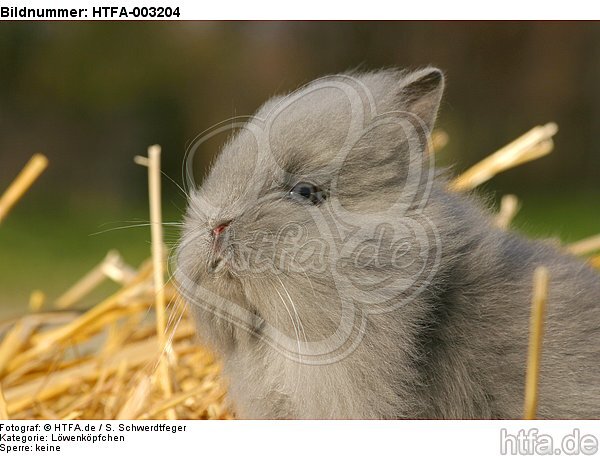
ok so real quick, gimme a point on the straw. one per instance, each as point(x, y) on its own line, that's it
point(3, 407)
point(439, 140)
point(111, 266)
point(32, 170)
point(156, 230)
point(37, 298)
point(80, 365)
point(509, 206)
point(14, 341)
point(134, 404)
point(585, 246)
point(536, 330)
point(532, 145)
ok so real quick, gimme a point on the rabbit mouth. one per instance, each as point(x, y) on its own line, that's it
point(219, 255)
point(216, 265)
point(221, 260)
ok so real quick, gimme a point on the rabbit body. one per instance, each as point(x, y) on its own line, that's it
point(335, 275)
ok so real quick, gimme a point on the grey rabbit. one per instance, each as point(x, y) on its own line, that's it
point(332, 271)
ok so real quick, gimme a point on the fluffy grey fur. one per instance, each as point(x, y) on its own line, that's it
point(450, 344)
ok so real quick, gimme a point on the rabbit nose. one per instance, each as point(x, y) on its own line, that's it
point(219, 229)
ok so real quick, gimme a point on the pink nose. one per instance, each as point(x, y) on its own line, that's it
point(219, 229)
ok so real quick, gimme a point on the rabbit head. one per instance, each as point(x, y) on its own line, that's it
point(312, 215)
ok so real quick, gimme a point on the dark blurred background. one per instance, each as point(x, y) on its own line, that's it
point(92, 95)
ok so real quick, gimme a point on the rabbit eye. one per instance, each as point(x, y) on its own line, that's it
point(306, 191)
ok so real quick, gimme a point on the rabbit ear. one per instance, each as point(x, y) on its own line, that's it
point(421, 93)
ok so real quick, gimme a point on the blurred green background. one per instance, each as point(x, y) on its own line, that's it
point(92, 95)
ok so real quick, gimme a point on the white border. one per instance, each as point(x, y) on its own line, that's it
point(343, 10)
point(302, 438)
